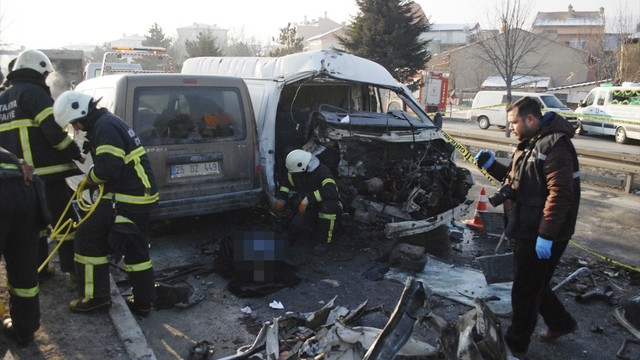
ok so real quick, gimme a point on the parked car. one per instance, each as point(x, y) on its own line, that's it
point(199, 133)
point(611, 110)
point(489, 107)
point(392, 165)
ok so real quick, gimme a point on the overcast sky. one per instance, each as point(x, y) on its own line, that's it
point(51, 24)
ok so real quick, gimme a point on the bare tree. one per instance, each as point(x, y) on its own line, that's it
point(512, 52)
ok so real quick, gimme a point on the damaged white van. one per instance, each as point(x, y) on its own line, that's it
point(392, 166)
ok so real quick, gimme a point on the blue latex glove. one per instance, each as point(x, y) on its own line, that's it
point(484, 158)
point(543, 248)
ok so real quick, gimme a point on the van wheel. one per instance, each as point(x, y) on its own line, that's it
point(621, 136)
point(483, 122)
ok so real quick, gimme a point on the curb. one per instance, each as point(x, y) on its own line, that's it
point(127, 327)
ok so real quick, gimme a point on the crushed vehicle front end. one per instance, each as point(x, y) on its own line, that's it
point(392, 164)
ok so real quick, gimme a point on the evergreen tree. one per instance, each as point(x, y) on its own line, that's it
point(156, 37)
point(388, 32)
point(98, 52)
point(204, 45)
point(290, 42)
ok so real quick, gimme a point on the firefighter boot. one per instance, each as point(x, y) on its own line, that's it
point(87, 305)
point(137, 307)
point(10, 331)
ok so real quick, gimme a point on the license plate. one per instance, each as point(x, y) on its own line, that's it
point(196, 169)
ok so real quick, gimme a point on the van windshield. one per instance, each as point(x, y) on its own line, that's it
point(550, 101)
point(187, 115)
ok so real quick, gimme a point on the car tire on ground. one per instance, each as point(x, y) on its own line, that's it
point(483, 122)
point(621, 135)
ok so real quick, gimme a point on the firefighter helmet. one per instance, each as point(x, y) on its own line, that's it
point(71, 106)
point(34, 59)
point(298, 161)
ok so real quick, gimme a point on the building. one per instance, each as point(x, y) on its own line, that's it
point(444, 37)
point(582, 30)
point(128, 41)
point(558, 64)
point(313, 28)
point(326, 41)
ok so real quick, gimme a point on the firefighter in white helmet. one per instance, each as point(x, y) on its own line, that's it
point(28, 130)
point(120, 223)
point(320, 208)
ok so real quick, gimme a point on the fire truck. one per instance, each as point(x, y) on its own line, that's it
point(432, 91)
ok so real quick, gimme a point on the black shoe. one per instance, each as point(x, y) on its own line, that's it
point(45, 274)
point(90, 304)
point(550, 335)
point(139, 308)
point(22, 339)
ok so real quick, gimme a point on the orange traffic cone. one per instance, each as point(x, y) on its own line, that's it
point(476, 223)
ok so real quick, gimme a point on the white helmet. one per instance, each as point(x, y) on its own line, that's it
point(34, 59)
point(298, 161)
point(70, 106)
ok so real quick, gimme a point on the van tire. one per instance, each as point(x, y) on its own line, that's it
point(621, 135)
point(483, 122)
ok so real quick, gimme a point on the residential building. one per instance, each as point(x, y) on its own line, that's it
point(582, 30)
point(313, 28)
point(191, 33)
point(444, 37)
point(128, 41)
point(560, 63)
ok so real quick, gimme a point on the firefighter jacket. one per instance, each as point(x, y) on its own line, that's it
point(28, 128)
point(544, 171)
point(119, 162)
point(318, 186)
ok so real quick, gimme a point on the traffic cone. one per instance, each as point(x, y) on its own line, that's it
point(476, 223)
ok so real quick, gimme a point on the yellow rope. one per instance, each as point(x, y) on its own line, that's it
point(69, 224)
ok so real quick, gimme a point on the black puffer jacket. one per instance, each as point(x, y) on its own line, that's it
point(28, 128)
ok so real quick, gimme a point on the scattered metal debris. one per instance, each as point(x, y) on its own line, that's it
point(201, 351)
point(583, 271)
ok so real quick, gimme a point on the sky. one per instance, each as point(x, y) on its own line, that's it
point(49, 24)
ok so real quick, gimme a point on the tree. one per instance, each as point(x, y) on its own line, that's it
point(204, 45)
point(290, 42)
point(512, 52)
point(98, 52)
point(239, 45)
point(388, 32)
point(156, 37)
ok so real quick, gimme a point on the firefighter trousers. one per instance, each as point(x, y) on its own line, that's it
point(20, 221)
point(58, 195)
point(116, 232)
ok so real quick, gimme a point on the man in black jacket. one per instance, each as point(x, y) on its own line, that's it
point(20, 219)
point(315, 182)
point(120, 222)
point(28, 130)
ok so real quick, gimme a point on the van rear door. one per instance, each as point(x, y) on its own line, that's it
point(199, 133)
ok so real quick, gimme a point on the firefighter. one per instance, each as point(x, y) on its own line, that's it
point(314, 181)
point(119, 224)
point(28, 130)
point(20, 219)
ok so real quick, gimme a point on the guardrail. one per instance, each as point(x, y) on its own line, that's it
point(624, 163)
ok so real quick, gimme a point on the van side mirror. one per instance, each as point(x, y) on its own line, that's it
point(437, 120)
point(582, 104)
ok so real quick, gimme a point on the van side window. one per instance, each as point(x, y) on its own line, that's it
point(601, 96)
point(187, 115)
point(590, 99)
point(513, 99)
point(625, 97)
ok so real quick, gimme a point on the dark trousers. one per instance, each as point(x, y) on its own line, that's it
point(531, 294)
point(20, 222)
point(319, 220)
point(58, 195)
point(107, 231)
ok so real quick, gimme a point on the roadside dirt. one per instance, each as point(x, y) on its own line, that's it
point(336, 272)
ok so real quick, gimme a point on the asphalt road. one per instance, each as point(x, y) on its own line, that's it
point(459, 122)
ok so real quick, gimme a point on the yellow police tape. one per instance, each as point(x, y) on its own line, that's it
point(467, 155)
point(633, 268)
point(69, 224)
